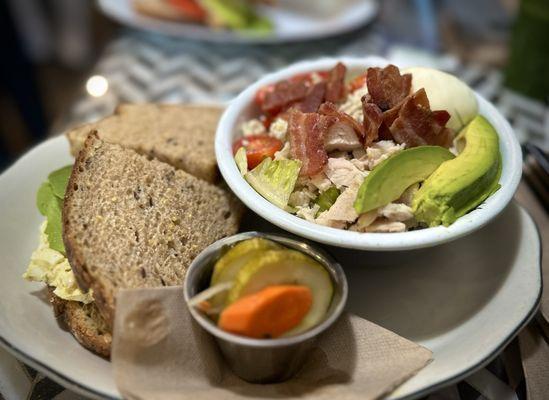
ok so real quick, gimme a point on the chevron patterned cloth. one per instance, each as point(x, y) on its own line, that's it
point(144, 67)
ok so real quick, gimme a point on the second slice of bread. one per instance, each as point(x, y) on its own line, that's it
point(180, 135)
point(131, 222)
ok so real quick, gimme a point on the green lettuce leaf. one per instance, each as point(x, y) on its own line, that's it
point(49, 201)
point(43, 197)
point(54, 227)
point(241, 160)
point(275, 180)
point(59, 180)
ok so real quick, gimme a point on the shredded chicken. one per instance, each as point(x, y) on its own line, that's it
point(380, 151)
point(341, 136)
point(364, 221)
point(321, 182)
point(396, 212)
point(382, 225)
point(308, 213)
point(342, 209)
point(353, 104)
point(343, 173)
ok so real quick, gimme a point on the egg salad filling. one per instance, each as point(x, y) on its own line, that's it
point(52, 268)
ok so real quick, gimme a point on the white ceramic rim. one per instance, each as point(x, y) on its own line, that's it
point(509, 147)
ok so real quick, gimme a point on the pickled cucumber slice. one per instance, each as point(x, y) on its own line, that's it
point(275, 267)
point(229, 264)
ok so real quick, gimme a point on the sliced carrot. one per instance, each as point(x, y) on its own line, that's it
point(268, 313)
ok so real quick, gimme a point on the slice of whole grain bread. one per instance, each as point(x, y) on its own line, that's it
point(84, 322)
point(131, 222)
point(180, 135)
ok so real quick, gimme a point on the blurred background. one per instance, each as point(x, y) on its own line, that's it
point(66, 62)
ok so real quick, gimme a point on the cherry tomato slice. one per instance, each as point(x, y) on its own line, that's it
point(258, 147)
point(190, 8)
point(357, 83)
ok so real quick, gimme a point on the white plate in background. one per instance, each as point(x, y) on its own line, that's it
point(464, 300)
point(288, 26)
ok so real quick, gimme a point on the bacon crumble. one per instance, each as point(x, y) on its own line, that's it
point(306, 132)
point(387, 87)
point(417, 125)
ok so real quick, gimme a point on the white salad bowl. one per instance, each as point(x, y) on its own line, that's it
point(242, 108)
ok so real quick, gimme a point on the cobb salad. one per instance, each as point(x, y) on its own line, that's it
point(382, 151)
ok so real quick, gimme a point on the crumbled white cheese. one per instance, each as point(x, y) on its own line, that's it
point(278, 129)
point(253, 127)
point(353, 104)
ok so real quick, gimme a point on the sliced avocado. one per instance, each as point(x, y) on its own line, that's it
point(327, 198)
point(227, 267)
point(276, 267)
point(275, 180)
point(461, 184)
point(394, 175)
point(59, 180)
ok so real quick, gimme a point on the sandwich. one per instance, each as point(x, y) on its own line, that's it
point(232, 14)
point(120, 219)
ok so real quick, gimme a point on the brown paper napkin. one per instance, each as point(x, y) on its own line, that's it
point(159, 352)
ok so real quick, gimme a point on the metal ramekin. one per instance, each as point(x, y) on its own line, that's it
point(264, 360)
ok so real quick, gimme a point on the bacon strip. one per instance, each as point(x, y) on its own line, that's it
point(335, 90)
point(306, 132)
point(283, 94)
point(373, 118)
point(387, 87)
point(417, 125)
point(314, 98)
point(331, 110)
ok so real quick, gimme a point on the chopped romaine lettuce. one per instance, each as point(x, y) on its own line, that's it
point(275, 180)
point(241, 160)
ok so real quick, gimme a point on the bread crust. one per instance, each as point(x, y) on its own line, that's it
point(84, 323)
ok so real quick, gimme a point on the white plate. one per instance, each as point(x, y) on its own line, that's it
point(289, 27)
point(464, 300)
